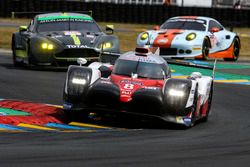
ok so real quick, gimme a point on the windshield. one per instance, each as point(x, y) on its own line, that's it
point(68, 25)
point(142, 69)
point(185, 24)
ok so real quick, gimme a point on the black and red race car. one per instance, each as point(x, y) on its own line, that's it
point(138, 83)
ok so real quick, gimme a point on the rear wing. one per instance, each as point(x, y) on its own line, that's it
point(32, 14)
point(114, 56)
point(190, 64)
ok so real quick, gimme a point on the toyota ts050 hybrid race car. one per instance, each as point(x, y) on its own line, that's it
point(139, 83)
point(192, 36)
point(60, 38)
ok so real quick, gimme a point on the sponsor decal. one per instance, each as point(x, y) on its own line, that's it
point(124, 92)
point(152, 88)
point(187, 121)
point(162, 41)
point(90, 36)
point(76, 46)
point(64, 18)
point(76, 39)
point(131, 82)
point(57, 36)
point(106, 82)
point(146, 60)
point(179, 119)
point(72, 33)
point(67, 105)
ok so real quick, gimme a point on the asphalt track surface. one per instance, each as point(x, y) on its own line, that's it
point(223, 141)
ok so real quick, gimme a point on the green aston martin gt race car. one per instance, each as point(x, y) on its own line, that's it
point(60, 38)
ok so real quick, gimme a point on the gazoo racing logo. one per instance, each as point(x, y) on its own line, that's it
point(76, 46)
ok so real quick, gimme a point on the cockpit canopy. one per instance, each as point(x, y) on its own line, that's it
point(150, 67)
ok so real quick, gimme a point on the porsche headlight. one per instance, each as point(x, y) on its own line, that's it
point(47, 46)
point(144, 36)
point(106, 45)
point(190, 36)
point(79, 81)
point(178, 93)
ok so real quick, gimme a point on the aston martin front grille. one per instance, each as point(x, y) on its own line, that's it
point(71, 53)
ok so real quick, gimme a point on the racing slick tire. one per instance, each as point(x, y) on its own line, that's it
point(194, 107)
point(205, 119)
point(205, 49)
point(31, 61)
point(15, 62)
point(236, 50)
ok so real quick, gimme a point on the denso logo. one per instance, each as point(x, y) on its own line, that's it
point(76, 46)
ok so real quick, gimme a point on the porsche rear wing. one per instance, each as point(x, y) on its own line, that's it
point(25, 14)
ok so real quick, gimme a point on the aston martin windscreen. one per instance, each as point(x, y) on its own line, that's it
point(72, 23)
point(185, 24)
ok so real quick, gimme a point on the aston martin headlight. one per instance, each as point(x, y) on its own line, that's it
point(144, 36)
point(44, 45)
point(106, 45)
point(178, 93)
point(50, 47)
point(190, 36)
point(79, 81)
point(47, 46)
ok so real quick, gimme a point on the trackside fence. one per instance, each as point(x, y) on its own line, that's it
point(124, 13)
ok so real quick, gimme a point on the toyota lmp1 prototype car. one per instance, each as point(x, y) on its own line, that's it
point(60, 38)
point(139, 83)
point(192, 36)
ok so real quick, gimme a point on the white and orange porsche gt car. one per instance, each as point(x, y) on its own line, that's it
point(192, 36)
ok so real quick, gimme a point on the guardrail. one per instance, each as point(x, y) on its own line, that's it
point(126, 13)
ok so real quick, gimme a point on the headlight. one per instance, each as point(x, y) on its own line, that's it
point(79, 81)
point(174, 92)
point(144, 36)
point(106, 45)
point(47, 46)
point(190, 36)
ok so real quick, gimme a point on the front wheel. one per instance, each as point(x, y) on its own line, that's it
point(14, 58)
point(205, 119)
point(236, 50)
point(205, 49)
point(194, 107)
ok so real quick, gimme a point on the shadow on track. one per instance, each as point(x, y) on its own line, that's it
point(121, 121)
point(34, 68)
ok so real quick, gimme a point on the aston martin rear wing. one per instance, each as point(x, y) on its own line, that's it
point(32, 14)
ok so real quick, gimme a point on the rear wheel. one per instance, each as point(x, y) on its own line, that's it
point(236, 50)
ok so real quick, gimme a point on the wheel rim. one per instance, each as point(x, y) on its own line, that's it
point(236, 50)
point(205, 50)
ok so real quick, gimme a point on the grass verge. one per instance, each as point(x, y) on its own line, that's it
point(127, 37)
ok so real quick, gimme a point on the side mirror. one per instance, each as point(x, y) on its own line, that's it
point(110, 29)
point(23, 28)
point(215, 29)
point(81, 61)
point(156, 27)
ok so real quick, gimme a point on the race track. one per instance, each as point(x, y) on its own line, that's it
point(223, 141)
